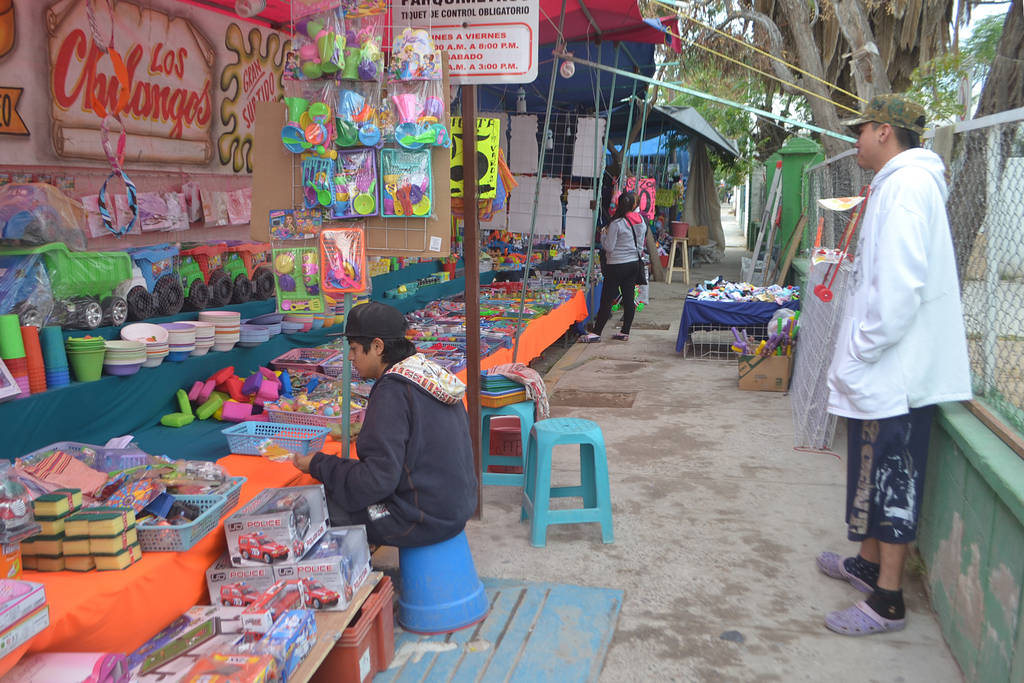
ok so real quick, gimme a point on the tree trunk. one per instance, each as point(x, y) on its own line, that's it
point(869, 72)
point(1004, 87)
point(809, 58)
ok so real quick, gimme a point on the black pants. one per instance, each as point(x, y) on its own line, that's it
point(619, 278)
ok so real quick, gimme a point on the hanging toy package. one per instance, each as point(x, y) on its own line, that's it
point(319, 43)
point(286, 224)
point(407, 183)
point(343, 260)
point(421, 114)
point(358, 114)
point(364, 37)
point(413, 57)
point(355, 184)
point(297, 271)
point(310, 123)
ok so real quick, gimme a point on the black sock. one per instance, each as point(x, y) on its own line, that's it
point(862, 569)
point(888, 604)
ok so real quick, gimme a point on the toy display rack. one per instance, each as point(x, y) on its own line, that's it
point(714, 342)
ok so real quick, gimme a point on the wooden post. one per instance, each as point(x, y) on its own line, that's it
point(471, 255)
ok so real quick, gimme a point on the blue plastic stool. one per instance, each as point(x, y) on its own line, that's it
point(593, 488)
point(440, 590)
point(524, 411)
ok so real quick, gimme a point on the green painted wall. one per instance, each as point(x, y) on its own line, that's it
point(971, 539)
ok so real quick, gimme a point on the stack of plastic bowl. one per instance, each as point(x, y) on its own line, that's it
point(294, 322)
point(271, 321)
point(228, 330)
point(12, 350)
point(86, 356)
point(253, 335)
point(51, 339)
point(124, 357)
point(153, 336)
point(206, 334)
point(181, 340)
point(34, 358)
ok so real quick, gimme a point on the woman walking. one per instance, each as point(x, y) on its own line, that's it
point(623, 260)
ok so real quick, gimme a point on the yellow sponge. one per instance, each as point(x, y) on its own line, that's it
point(29, 562)
point(122, 560)
point(74, 498)
point(51, 506)
point(76, 546)
point(113, 544)
point(79, 563)
point(52, 546)
point(50, 564)
point(51, 527)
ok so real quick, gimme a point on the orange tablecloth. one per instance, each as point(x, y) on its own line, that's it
point(540, 333)
point(118, 611)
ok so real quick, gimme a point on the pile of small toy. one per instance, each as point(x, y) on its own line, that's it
point(720, 289)
point(781, 339)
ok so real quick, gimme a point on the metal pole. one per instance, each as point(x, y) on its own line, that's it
point(536, 191)
point(346, 389)
point(471, 257)
point(561, 54)
point(624, 167)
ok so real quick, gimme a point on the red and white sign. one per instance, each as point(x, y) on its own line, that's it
point(169, 66)
point(487, 41)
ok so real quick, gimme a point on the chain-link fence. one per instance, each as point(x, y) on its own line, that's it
point(985, 166)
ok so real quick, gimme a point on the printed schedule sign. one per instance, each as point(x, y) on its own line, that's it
point(487, 41)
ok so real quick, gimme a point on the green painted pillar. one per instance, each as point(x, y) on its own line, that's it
point(797, 154)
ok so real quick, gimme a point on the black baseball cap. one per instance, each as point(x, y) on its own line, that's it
point(373, 320)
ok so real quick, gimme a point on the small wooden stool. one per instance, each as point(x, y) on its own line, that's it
point(672, 261)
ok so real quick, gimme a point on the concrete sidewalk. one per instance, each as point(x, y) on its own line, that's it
point(717, 521)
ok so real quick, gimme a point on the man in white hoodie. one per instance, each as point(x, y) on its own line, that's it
point(901, 349)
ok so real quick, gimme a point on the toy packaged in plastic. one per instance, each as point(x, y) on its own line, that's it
point(261, 615)
point(407, 183)
point(317, 181)
point(298, 277)
point(286, 224)
point(310, 122)
point(237, 586)
point(16, 519)
point(421, 114)
point(355, 184)
point(319, 44)
point(277, 525)
point(232, 668)
point(201, 631)
point(289, 641)
point(37, 213)
point(343, 260)
point(413, 57)
point(358, 114)
point(333, 570)
point(364, 35)
point(25, 289)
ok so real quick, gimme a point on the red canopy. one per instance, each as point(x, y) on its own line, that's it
point(584, 19)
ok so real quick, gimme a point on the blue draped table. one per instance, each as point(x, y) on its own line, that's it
point(726, 314)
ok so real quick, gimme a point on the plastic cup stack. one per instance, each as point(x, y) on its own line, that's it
point(228, 330)
point(153, 336)
point(12, 350)
point(34, 358)
point(55, 360)
point(124, 357)
point(86, 357)
point(206, 334)
point(181, 340)
point(253, 335)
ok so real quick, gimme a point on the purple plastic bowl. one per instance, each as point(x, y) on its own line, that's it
point(121, 370)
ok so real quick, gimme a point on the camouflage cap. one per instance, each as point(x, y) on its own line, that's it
point(896, 110)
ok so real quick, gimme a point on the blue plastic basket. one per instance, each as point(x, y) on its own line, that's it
point(106, 459)
point(155, 538)
point(231, 490)
point(245, 438)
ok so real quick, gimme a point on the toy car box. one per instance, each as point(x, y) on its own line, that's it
point(278, 525)
point(232, 668)
point(332, 571)
point(259, 617)
point(201, 631)
point(290, 640)
point(237, 586)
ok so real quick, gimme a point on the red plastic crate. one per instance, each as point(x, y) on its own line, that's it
point(367, 646)
point(506, 439)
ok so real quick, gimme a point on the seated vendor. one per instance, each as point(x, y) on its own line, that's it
point(414, 483)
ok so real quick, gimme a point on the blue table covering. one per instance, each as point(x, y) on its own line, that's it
point(725, 314)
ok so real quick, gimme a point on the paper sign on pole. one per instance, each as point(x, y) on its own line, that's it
point(487, 41)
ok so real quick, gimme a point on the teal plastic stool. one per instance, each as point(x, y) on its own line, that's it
point(593, 488)
point(440, 590)
point(524, 411)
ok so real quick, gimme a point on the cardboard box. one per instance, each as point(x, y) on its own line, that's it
point(202, 630)
point(765, 373)
point(237, 586)
point(697, 235)
point(333, 570)
point(278, 525)
point(290, 640)
point(21, 632)
point(18, 598)
point(283, 596)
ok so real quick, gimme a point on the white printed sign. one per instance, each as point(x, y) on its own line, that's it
point(488, 41)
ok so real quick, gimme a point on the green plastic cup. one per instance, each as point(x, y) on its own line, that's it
point(11, 344)
point(87, 365)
